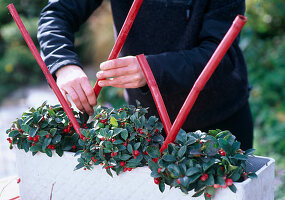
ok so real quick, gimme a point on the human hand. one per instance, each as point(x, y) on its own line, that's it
point(122, 72)
point(73, 81)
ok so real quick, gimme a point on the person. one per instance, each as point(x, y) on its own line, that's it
point(178, 38)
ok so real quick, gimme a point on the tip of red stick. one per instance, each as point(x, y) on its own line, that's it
point(243, 18)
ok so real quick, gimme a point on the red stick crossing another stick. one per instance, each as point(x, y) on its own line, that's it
point(44, 68)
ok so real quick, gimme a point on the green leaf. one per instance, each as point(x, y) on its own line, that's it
point(174, 169)
point(35, 148)
point(194, 177)
point(43, 133)
point(113, 122)
point(130, 148)
point(26, 128)
point(137, 145)
point(56, 139)
point(14, 133)
point(249, 152)
point(49, 152)
point(53, 131)
point(233, 188)
point(59, 152)
point(169, 158)
point(153, 151)
point(207, 165)
point(240, 157)
point(124, 134)
point(182, 151)
point(79, 166)
point(220, 180)
point(125, 157)
point(199, 193)
point(109, 172)
point(28, 120)
point(26, 145)
point(108, 145)
point(33, 131)
point(161, 186)
point(193, 170)
point(117, 131)
point(118, 142)
point(46, 143)
point(252, 175)
point(210, 180)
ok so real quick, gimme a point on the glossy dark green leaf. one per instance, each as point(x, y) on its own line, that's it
point(153, 151)
point(169, 158)
point(48, 152)
point(182, 151)
point(193, 170)
point(161, 186)
point(174, 169)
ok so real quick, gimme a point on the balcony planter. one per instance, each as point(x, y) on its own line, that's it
point(44, 177)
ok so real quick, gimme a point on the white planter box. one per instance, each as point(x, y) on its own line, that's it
point(39, 173)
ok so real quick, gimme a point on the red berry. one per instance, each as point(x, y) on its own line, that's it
point(113, 140)
point(125, 169)
point(113, 154)
point(49, 146)
point(145, 153)
point(103, 121)
point(102, 138)
point(136, 152)
point(229, 181)
point(129, 169)
point(18, 180)
point(94, 160)
point(155, 160)
point(178, 181)
point(43, 119)
point(30, 138)
point(21, 130)
point(159, 169)
point(9, 140)
point(156, 130)
point(123, 124)
point(73, 147)
point(121, 109)
point(208, 195)
point(32, 144)
point(125, 144)
point(156, 180)
point(148, 139)
point(122, 163)
point(216, 186)
point(36, 138)
point(204, 177)
point(222, 168)
point(109, 139)
point(141, 132)
point(106, 167)
point(222, 152)
point(111, 167)
point(84, 168)
point(47, 135)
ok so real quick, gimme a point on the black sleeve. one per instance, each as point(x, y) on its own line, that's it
point(58, 22)
point(177, 71)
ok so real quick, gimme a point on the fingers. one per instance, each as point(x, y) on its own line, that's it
point(65, 97)
point(117, 63)
point(122, 73)
point(74, 82)
point(128, 81)
point(117, 72)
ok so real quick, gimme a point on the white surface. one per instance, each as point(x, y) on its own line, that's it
point(40, 172)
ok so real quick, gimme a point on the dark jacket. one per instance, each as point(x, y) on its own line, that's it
point(177, 50)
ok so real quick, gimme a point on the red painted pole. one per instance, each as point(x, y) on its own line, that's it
point(122, 36)
point(213, 63)
point(155, 93)
point(44, 68)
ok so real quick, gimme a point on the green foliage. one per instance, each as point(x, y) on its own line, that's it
point(44, 129)
point(118, 139)
point(17, 64)
point(201, 162)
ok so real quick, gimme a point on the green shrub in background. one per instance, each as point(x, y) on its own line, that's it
point(263, 43)
point(17, 65)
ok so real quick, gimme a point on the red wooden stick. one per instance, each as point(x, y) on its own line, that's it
point(155, 93)
point(122, 36)
point(216, 58)
point(44, 68)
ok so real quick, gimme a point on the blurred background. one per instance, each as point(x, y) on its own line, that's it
point(22, 84)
